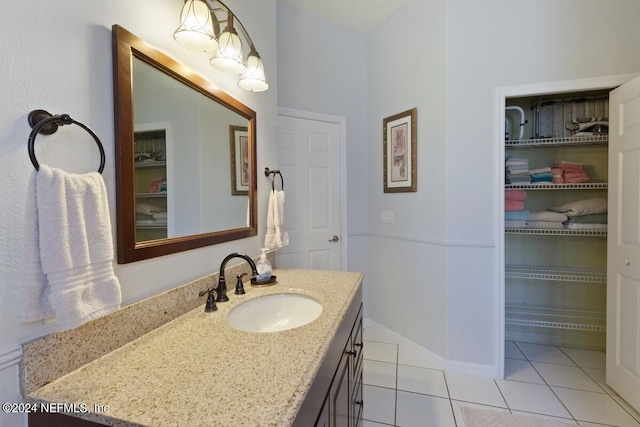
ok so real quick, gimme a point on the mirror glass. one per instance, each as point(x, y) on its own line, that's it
point(185, 156)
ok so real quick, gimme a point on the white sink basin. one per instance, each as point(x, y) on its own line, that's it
point(273, 313)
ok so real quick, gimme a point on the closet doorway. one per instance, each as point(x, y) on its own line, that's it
point(312, 159)
point(529, 269)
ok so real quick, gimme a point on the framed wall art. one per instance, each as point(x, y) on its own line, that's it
point(400, 155)
point(239, 141)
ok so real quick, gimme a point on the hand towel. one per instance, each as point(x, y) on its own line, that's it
point(517, 216)
point(539, 170)
point(548, 216)
point(582, 207)
point(513, 205)
point(520, 195)
point(544, 225)
point(589, 219)
point(592, 227)
point(69, 265)
point(515, 224)
point(276, 235)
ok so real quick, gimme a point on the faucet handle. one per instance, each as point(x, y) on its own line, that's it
point(211, 302)
point(239, 285)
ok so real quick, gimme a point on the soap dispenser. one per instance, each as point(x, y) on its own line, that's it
point(263, 267)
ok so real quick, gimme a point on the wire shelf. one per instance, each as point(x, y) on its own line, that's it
point(556, 232)
point(555, 317)
point(149, 195)
point(552, 186)
point(555, 142)
point(151, 224)
point(154, 164)
point(545, 272)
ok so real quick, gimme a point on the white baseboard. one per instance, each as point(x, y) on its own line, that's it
point(451, 366)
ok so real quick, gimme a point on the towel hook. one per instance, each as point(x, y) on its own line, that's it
point(274, 172)
point(43, 122)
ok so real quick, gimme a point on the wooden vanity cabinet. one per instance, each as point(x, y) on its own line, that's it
point(335, 397)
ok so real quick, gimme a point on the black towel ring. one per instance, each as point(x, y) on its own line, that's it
point(273, 174)
point(45, 123)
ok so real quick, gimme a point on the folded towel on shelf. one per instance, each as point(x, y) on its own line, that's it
point(159, 215)
point(517, 169)
point(149, 209)
point(594, 227)
point(511, 161)
point(544, 225)
point(576, 180)
point(518, 179)
point(68, 249)
point(520, 195)
point(539, 170)
point(588, 219)
point(515, 224)
point(517, 216)
point(582, 207)
point(276, 235)
point(542, 177)
point(513, 205)
point(548, 216)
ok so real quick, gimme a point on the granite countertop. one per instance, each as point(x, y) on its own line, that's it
point(197, 370)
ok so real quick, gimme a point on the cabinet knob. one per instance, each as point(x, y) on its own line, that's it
point(627, 261)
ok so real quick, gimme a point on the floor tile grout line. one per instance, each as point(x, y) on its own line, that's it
point(553, 391)
point(504, 399)
point(446, 385)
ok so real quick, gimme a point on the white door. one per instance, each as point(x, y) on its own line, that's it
point(623, 247)
point(309, 160)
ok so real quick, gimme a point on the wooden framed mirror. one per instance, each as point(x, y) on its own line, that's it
point(185, 156)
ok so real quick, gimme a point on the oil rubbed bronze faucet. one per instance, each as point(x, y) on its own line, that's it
point(221, 290)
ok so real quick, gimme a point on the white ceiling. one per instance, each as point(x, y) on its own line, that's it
point(360, 15)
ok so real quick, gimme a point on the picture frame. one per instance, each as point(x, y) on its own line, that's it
point(400, 169)
point(239, 149)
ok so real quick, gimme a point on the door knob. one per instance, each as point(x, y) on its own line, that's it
point(334, 239)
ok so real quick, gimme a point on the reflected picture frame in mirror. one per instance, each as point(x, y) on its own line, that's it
point(127, 51)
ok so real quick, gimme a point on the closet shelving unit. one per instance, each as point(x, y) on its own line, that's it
point(557, 320)
point(150, 139)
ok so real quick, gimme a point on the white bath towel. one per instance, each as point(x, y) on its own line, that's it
point(276, 236)
point(68, 250)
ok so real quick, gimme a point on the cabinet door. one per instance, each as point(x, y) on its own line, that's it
point(324, 419)
point(340, 394)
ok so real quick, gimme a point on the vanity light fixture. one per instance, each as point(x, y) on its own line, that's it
point(200, 30)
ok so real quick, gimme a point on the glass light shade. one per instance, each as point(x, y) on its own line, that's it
point(254, 79)
point(196, 27)
point(228, 57)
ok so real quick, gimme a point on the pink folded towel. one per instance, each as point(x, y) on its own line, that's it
point(513, 205)
point(515, 195)
point(577, 179)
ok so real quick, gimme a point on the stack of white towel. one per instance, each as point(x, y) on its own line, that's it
point(517, 171)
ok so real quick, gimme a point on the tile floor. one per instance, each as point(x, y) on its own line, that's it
point(544, 381)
